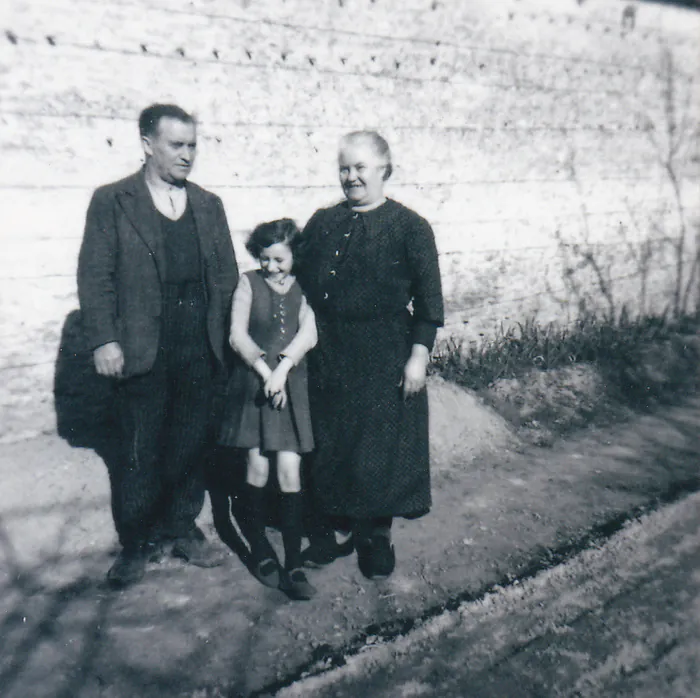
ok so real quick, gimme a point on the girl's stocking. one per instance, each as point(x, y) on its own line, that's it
point(291, 524)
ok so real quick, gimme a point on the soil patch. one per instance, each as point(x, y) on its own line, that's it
point(500, 506)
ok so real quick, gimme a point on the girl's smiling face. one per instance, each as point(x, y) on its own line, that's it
point(276, 261)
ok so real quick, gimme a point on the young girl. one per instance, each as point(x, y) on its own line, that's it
point(267, 411)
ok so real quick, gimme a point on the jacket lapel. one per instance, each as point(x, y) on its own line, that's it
point(136, 202)
point(204, 224)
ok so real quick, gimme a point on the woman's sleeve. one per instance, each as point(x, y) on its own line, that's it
point(307, 336)
point(241, 342)
point(426, 288)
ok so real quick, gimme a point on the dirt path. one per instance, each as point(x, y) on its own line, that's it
point(499, 513)
point(616, 620)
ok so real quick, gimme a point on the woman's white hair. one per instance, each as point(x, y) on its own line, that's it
point(378, 143)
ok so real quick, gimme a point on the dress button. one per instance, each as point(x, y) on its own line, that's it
point(337, 252)
point(332, 272)
point(325, 296)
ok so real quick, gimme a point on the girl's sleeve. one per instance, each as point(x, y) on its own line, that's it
point(426, 288)
point(241, 342)
point(307, 336)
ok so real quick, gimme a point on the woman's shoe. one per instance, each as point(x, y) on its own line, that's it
point(323, 551)
point(383, 557)
point(296, 586)
point(376, 557)
point(364, 556)
point(267, 572)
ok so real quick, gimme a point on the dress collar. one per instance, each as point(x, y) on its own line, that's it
point(369, 207)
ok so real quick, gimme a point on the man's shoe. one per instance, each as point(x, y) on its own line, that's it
point(195, 550)
point(323, 551)
point(296, 586)
point(155, 551)
point(127, 569)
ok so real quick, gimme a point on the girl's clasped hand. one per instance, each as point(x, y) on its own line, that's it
point(274, 387)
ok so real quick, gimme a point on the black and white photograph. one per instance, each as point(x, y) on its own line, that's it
point(350, 349)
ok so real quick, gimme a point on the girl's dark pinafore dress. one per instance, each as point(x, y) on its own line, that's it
point(249, 420)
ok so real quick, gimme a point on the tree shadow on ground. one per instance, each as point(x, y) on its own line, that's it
point(673, 470)
point(64, 634)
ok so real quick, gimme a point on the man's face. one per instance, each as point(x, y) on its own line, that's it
point(171, 149)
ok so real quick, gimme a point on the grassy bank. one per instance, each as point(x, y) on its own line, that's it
point(550, 379)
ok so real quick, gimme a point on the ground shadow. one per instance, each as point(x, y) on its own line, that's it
point(64, 634)
point(225, 485)
point(84, 401)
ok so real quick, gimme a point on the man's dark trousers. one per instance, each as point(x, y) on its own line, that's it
point(166, 420)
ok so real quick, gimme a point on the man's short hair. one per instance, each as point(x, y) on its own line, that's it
point(150, 117)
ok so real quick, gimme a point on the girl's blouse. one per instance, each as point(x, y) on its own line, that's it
point(244, 345)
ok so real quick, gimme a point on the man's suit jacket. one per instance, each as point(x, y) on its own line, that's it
point(121, 269)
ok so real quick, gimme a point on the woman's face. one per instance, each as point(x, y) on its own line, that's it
point(361, 173)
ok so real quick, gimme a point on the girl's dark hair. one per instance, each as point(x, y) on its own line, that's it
point(284, 230)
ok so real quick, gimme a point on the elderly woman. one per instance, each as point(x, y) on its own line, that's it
point(370, 272)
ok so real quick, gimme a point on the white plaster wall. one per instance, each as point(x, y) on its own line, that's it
point(529, 132)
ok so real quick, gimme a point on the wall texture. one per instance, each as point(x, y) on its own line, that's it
point(551, 143)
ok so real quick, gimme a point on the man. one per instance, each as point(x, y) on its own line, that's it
point(155, 277)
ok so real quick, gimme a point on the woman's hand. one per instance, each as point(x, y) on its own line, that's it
point(415, 371)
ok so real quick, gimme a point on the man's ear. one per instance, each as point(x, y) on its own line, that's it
point(146, 143)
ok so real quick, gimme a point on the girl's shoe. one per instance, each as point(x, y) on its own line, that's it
point(296, 586)
point(267, 572)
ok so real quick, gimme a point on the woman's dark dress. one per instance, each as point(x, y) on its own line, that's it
point(249, 420)
point(360, 272)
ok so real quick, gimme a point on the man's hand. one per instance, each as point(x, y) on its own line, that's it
point(109, 360)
